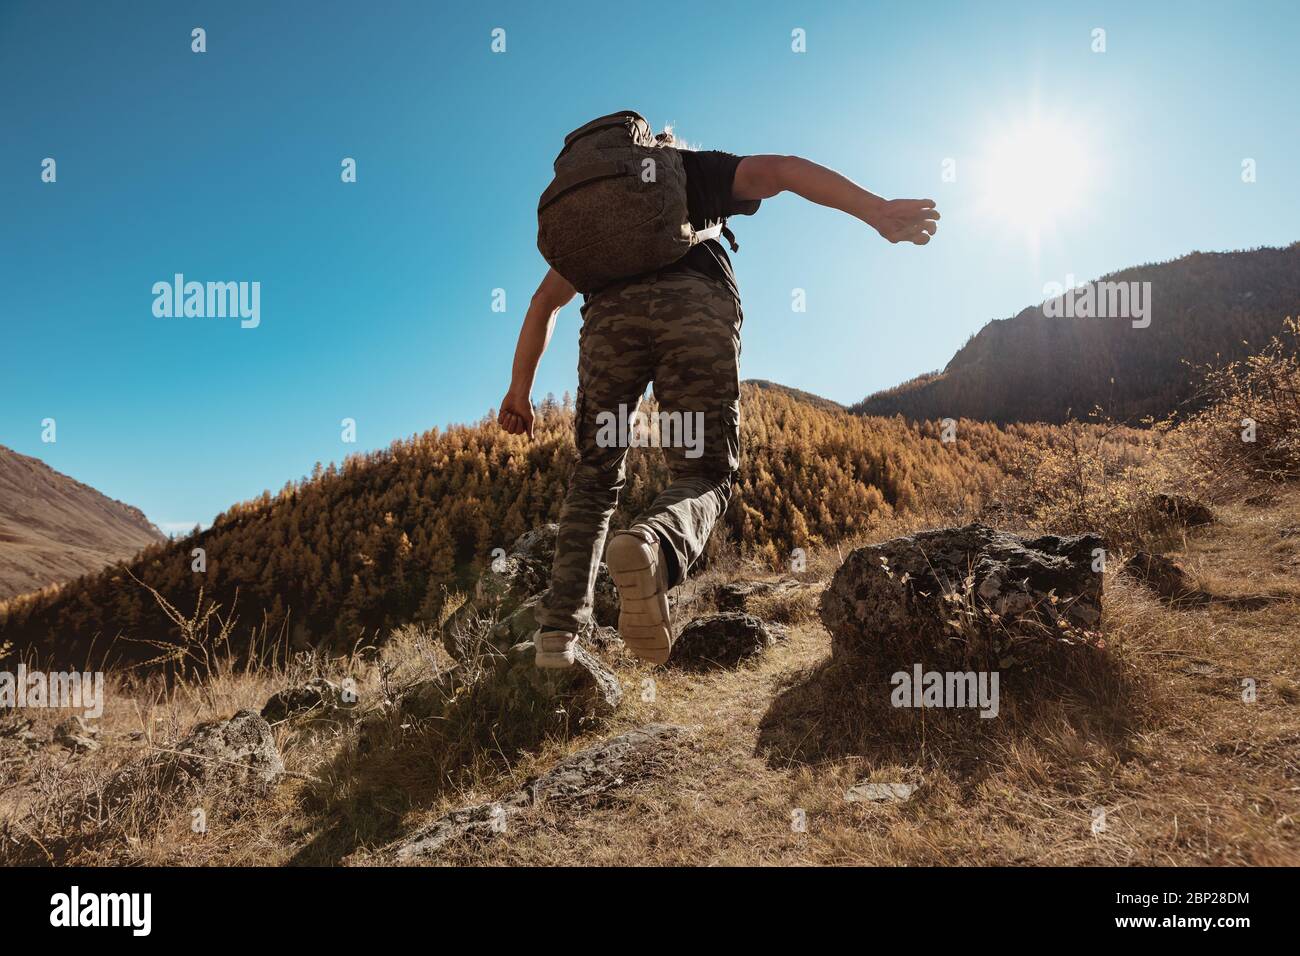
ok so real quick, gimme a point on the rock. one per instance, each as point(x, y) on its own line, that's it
point(580, 779)
point(317, 696)
point(724, 639)
point(587, 691)
point(538, 545)
point(484, 820)
point(962, 595)
point(1265, 499)
point(519, 625)
point(604, 766)
point(75, 734)
point(1182, 510)
point(1165, 577)
point(508, 593)
point(240, 750)
point(238, 754)
point(880, 793)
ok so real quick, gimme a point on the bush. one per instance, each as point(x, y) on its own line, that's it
point(1250, 427)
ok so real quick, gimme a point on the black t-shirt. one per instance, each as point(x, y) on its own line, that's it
point(709, 177)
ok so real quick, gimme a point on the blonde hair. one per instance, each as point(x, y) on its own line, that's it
point(669, 138)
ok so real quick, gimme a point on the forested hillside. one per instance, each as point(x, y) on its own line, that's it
point(1205, 307)
point(353, 550)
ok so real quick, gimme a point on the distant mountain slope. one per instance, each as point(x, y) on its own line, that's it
point(816, 401)
point(1033, 367)
point(53, 528)
point(355, 549)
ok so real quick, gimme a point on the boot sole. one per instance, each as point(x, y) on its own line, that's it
point(553, 660)
point(643, 605)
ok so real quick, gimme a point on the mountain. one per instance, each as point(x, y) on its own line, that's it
point(816, 401)
point(53, 528)
point(1205, 307)
point(354, 550)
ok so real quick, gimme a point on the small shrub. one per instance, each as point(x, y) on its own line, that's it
point(1250, 427)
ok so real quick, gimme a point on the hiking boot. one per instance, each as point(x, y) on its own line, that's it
point(637, 564)
point(554, 649)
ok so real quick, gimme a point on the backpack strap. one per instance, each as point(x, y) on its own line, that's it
point(715, 230)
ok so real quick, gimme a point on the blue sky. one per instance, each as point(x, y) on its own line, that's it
point(376, 296)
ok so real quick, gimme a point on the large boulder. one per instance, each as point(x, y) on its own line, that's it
point(581, 779)
point(508, 593)
point(965, 595)
point(517, 689)
point(240, 751)
point(723, 640)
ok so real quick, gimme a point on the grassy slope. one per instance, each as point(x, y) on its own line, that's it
point(1187, 772)
point(54, 528)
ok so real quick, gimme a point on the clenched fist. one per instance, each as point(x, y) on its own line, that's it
point(516, 415)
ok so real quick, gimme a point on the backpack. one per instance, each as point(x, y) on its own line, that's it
point(617, 205)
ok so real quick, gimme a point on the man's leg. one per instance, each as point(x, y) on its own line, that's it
point(614, 367)
point(696, 325)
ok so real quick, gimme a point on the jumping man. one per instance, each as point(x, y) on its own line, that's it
point(678, 326)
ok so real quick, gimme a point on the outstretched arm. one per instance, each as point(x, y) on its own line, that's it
point(898, 220)
point(516, 415)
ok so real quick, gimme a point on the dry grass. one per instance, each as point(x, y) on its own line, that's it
point(1185, 770)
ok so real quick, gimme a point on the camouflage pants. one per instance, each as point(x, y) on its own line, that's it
point(682, 331)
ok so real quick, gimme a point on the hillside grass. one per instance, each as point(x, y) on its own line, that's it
point(1185, 770)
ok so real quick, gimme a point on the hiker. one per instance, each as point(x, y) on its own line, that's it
point(631, 220)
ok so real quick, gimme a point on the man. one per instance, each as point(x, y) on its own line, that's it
point(680, 328)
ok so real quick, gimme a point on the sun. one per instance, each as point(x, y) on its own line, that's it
point(1035, 176)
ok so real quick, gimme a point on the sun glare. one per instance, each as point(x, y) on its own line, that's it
point(1035, 176)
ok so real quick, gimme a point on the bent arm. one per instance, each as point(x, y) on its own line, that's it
point(898, 220)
